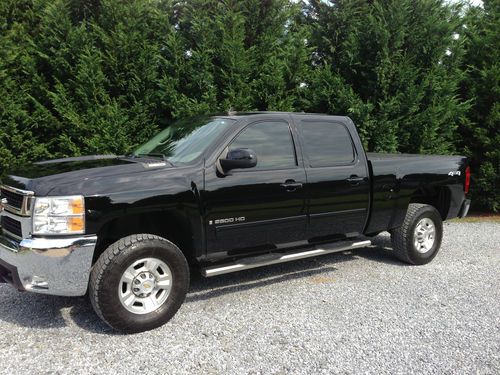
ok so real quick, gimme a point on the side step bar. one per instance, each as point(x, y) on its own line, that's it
point(274, 258)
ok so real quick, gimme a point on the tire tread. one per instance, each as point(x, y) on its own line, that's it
point(400, 236)
point(106, 259)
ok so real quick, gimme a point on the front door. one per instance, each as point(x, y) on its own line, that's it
point(260, 208)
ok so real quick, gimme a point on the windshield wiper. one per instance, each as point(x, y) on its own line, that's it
point(154, 154)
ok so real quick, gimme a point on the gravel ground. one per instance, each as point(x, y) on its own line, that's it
point(359, 312)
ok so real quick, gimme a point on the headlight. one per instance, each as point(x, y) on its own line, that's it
point(59, 215)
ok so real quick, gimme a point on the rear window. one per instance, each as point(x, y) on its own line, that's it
point(327, 143)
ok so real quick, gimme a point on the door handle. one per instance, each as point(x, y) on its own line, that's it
point(355, 179)
point(291, 185)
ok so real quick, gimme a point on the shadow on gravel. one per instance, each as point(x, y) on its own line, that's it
point(204, 289)
point(46, 312)
point(381, 251)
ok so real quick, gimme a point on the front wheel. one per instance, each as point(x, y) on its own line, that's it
point(139, 282)
point(418, 240)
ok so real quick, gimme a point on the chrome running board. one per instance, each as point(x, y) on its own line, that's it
point(282, 257)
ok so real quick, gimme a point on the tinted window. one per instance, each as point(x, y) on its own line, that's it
point(327, 143)
point(271, 141)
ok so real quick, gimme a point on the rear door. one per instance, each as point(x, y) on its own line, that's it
point(337, 188)
point(260, 208)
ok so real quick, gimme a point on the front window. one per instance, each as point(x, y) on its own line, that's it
point(271, 141)
point(185, 140)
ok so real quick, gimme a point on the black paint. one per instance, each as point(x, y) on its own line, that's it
point(279, 206)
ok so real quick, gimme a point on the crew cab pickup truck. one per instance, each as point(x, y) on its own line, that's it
point(216, 195)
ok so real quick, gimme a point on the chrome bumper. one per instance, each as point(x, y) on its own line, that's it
point(58, 266)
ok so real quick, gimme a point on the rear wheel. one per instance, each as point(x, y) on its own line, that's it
point(418, 240)
point(139, 283)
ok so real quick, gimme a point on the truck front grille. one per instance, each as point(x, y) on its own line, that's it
point(15, 200)
point(12, 199)
point(11, 226)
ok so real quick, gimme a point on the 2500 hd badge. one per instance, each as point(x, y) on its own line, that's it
point(227, 220)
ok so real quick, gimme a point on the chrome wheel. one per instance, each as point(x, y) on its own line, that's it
point(424, 235)
point(145, 285)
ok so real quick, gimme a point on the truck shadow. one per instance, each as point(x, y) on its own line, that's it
point(206, 288)
point(50, 312)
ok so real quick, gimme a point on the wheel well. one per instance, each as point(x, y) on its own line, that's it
point(167, 225)
point(439, 198)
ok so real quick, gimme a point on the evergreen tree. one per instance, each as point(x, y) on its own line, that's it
point(246, 54)
point(481, 138)
point(21, 115)
point(401, 61)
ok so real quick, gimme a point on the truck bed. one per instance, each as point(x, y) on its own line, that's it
point(396, 177)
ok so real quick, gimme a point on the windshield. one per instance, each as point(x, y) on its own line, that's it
point(185, 140)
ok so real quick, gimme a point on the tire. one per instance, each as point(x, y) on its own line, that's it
point(415, 242)
point(161, 272)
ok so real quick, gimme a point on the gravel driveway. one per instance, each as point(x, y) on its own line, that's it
point(359, 312)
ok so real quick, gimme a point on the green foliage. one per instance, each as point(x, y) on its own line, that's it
point(393, 55)
point(480, 139)
point(83, 77)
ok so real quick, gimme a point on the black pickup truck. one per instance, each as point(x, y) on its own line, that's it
point(215, 194)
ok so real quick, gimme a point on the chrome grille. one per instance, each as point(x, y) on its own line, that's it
point(11, 226)
point(15, 200)
point(12, 199)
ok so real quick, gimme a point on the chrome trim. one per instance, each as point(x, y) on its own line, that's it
point(16, 190)
point(362, 243)
point(26, 205)
point(67, 244)
point(11, 235)
point(274, 258)
point(464, 209)
point(26, 224)
point(58, 266)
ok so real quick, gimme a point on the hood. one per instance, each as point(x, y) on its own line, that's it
point(43, 177)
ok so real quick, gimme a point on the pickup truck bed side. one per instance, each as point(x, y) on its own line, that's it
point(401, 179)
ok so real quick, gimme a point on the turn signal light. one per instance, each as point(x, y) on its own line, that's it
point(76, 206)
point(76, 224)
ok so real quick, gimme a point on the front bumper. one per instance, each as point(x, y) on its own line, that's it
point(58, 266)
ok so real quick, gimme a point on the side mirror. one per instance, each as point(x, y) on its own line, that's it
point(239, 158)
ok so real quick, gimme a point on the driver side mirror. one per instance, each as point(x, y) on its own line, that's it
point(239, 158)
